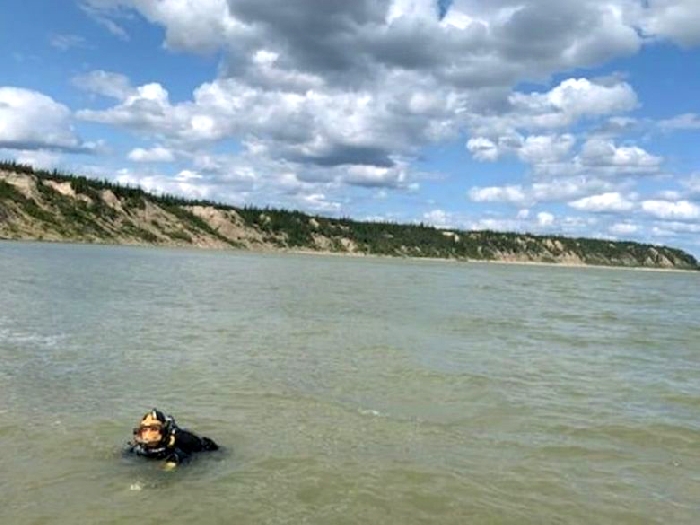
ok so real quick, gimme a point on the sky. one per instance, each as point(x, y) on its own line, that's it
point(543, 116)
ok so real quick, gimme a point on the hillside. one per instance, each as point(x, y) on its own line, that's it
point(48, 206)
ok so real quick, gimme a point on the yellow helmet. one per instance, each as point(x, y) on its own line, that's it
point(154, 420)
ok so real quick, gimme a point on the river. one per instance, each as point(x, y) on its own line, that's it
point(346, 390)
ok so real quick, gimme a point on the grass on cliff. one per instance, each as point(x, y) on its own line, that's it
point(294, 229)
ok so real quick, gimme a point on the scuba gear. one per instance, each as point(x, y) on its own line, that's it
point(154, 429)
point(158, 437)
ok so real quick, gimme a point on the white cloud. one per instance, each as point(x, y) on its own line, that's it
point(604, 153)
point(538, 150)
point(31, 120)
point(623, 229)
point(327, 94)
point(147, 108)
point(559, 190)
point(67, 42)
point(692, 184)
point(104, 12)
point(483, 149)
point(187, 176)
point(375, 176)
point(545, 219)
point(157, 154)
point(568, 188)
point(361, 84)
point(603, 158)
point(320, 203)
point(513, 193)
point(105, 83)
point(42, 159)
point(564, 105)
point(495, 224)
point(615, 127)
point(186, 184)
point(533, 149)
point(686, 121)
point(302, 128)
point(605, 202)
point(674, 210)
point(673, 19)
point(538, 38)
point(573, 98)
point(681, 227)
point(194, 25)
point(439, 218)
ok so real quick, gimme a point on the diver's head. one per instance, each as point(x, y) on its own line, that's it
point(152, 429)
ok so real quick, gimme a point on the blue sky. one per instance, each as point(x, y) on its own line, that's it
point(528, 115)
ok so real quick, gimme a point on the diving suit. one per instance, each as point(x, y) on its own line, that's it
point(159, 437)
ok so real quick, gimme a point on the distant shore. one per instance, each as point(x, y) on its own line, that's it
point(487, 262)
point(355, 255)
point(52, 207)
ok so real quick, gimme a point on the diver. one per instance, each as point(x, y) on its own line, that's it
point(158, 437)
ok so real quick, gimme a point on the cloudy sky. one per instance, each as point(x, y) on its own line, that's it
point(549, 116)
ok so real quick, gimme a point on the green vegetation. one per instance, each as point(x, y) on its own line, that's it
point(142, 217)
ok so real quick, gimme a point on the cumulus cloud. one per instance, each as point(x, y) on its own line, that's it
point(105, 83)
point(31, 120)
point(623, 229)
point(375, 176)
point(603, 158)
point(439, 218)
point(686, 121)
point(673, 19)
point(333, 93)
point(564, 105)
point(506, 41)
point(672, 210)
point(603, 153)
point(38, 158)
point(326, 128)
point(605, 202)
point(513, 193)
point(529, 39)
point(359, 84)
point(355, 43)
point(568, 188)
point(545, 219)
point(157, 154)
point(692, 185)
point(538, 150)
point(483, 149)
point(105, 12)
point(573, 98)
point(495, 224)
point(533, 149)
point(675, 227)
point(187, 183)
point(560, 190)
point(319, 202)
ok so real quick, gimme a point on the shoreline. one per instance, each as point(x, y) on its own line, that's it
point(204, 248)
point(479, 261)
point(64, 209)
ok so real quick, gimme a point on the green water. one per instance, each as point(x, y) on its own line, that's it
point(346, 390)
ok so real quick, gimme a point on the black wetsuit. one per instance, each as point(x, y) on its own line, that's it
point(177, 446)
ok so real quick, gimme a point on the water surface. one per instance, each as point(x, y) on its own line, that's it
point(347, 390)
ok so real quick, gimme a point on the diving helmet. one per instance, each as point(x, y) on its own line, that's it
point(153, 428)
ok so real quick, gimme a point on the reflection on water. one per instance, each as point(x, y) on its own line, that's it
point(346, 390)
